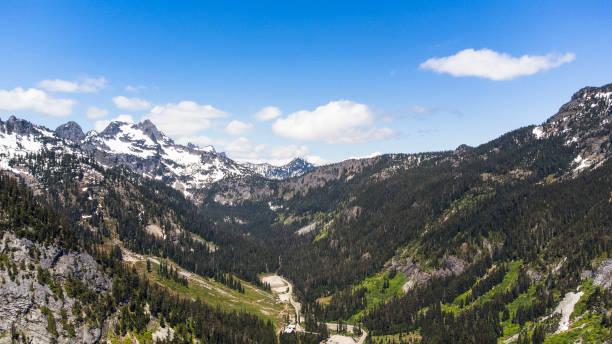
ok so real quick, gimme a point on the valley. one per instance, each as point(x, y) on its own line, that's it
point(505, 242)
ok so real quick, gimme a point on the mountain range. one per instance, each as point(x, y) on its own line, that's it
point(142, 148)
point(126, 235)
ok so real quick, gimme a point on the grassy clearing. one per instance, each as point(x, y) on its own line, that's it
point(254, 300)
point(376, 293)
point(588, 288)
point(506, 284)
point(585, 330)
point(524, 299)
point(322, 235)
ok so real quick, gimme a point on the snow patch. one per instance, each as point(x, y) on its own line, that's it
point(538, 132)
point(307, 229)
point(582, 163)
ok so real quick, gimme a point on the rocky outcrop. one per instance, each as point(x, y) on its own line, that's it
point(26, 305)
point(70, 131)
point(603, 275)
point(585, 122)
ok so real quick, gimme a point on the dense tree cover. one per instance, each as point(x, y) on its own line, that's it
point(402, 205)
point(542, 225)
point(515, 193)
point(22, 213)
point(26, 216)
point(119, 200)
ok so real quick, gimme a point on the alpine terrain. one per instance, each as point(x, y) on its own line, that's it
point(125, 236)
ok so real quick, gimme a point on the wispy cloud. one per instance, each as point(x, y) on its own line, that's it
point(236, 128)
point(133, 104)
point(135, 88)
point(87, 85)
point(421, 110)
point(267, 113)
point(489, 64)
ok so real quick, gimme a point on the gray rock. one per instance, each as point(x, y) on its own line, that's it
point(23, 298)
point(70, 131)
point(603, 275)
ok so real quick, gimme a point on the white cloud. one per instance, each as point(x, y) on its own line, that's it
point(236, 128)
point(94, 112)
point(267, 113)
point(137, 88)
point(87, 85)
point(184, 119)
point(317, 160)
point(242, 149)
point(341, 121)
point(101, 125)
point(36, 100)
point(281, 155)
point(133, 104)
point(486, 63)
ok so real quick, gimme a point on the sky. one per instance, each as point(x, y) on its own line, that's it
point(323, 80)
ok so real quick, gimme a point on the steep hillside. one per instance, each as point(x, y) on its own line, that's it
point(511, 237)
point(64, 283)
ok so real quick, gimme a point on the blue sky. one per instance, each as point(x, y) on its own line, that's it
point(337, 79)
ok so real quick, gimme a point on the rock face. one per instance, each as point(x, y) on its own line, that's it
point(27, 305)
point(70, 131)
point(603, 275)
point(584, 122)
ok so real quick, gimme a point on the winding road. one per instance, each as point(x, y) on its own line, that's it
point(284, 289)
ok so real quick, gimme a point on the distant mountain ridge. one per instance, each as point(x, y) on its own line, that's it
point(141, 147)
point(294, 168)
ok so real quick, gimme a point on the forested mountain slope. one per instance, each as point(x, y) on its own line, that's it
point(426, 245)
point(538, 195)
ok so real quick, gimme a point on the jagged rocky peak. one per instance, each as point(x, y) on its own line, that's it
point(588, 108)
point(299, 163)
point(587, 101)
point(70, 131)
point(19, 126)
point(151, 130)
point(585, 122)
point(113, 128)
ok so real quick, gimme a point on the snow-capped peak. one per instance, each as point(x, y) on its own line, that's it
point(294, 168)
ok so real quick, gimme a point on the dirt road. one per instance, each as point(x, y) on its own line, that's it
point(284, 289)
point(339, 339)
